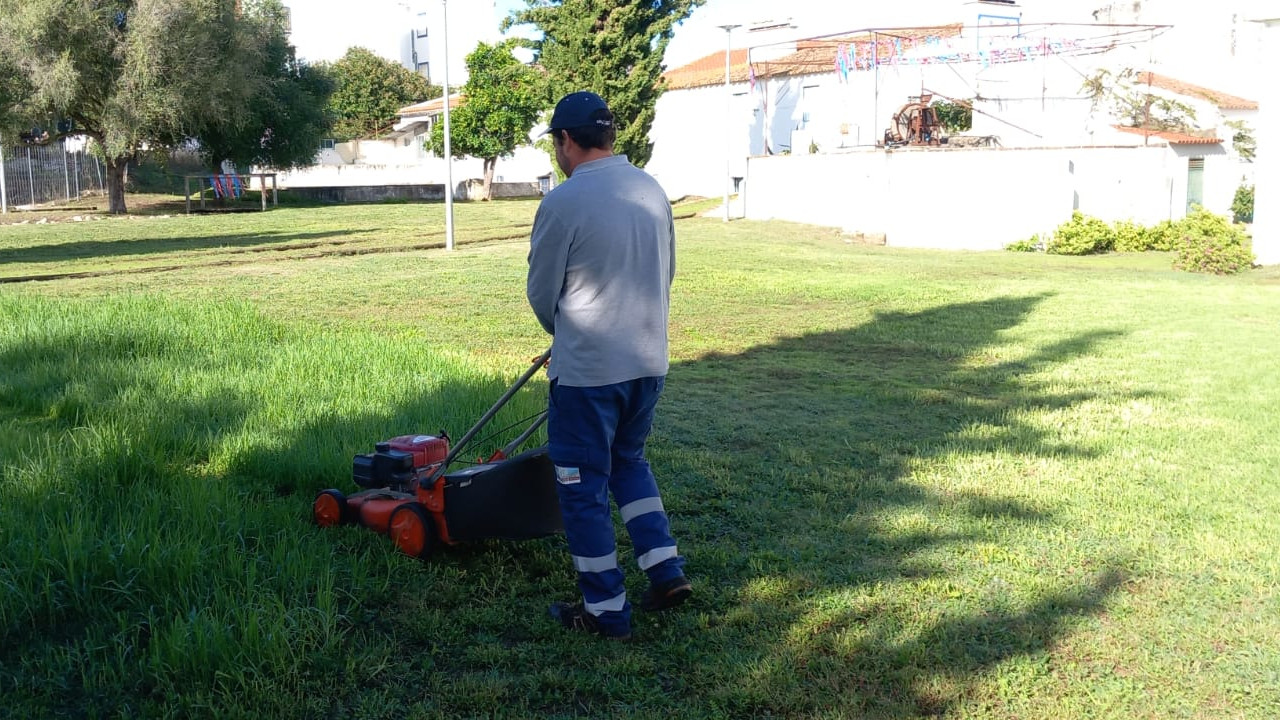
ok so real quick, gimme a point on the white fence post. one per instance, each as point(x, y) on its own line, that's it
point(31, 178)
point(66, 174)
point(4, 191)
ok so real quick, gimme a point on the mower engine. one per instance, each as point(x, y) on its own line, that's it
point(399, 463)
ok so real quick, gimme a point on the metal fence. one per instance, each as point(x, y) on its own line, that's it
point(42, 174)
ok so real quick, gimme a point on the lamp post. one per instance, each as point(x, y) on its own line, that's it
point(728, 93)
point(448, 149)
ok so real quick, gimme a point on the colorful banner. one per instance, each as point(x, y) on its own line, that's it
point(934, 50)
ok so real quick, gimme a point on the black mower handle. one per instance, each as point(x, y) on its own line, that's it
point(538, 363)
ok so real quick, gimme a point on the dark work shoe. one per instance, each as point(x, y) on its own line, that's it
point(575, 617)
point(667, 595)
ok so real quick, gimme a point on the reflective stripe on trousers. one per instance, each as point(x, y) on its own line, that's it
point(596, 441)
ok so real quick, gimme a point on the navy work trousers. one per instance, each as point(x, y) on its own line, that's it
point(596, 441)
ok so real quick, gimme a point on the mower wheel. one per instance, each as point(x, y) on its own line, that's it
point(330, 509)
point(412, 530)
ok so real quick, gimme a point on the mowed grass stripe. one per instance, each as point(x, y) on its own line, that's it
point(80, 259)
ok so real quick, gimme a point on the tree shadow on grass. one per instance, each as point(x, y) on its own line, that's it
point(806, 481)
point(807, 476)
point(87, 249)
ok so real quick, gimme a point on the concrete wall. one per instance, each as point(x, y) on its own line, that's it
point(474, 190)
point(700, 140)
point(978, 199)
point(369, 193)
point(387, 162)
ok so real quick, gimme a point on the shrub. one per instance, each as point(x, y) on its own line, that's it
point(1131, 237)
point(1082, 235)
point(1242, 206)
point(1209, 243)
point(1031, 244)
point(1164, 235)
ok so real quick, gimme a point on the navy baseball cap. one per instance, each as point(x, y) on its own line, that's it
point(575, 109)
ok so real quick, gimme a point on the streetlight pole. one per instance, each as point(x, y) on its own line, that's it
point(448, 148)
point(728, 94)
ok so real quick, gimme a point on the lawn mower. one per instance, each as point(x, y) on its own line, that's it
point(411, 495)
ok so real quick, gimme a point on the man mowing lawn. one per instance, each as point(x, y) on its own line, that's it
point(601, 261)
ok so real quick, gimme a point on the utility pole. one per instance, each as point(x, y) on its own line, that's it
point(448, 149)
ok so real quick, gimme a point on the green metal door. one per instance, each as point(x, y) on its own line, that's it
point(1195, 183)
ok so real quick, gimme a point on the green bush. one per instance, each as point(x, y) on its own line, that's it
point(1242, 206)
point(1209, 243)
point(1082, 235)
point(1131, 237)
point(1164, 235)
point(1031, 244)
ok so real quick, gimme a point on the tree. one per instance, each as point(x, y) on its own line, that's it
point(503, 99)
point(287, 116)
point(1135, 107)
point(956, 117)
point(131, 74)
point(1242, 140)
point(612, 47)
point(13, 89)
point(370, 91)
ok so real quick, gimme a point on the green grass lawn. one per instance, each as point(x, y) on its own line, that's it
point(908, 483)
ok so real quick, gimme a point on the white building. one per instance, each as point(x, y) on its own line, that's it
point(798, 129)
point(410, 32)
point(1266, 220)
point(401, 158)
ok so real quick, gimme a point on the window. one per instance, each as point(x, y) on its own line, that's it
point(327, 144)
point(422, 32)
point(1195, 184)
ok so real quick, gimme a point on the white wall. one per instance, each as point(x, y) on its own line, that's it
point(1266, 218)
point(691, 134)
point(973, 199)
point(694, 128)
point(385, 162)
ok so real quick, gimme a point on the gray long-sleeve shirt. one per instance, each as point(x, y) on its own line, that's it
point(601, 262)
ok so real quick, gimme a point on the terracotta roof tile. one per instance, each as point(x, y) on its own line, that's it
point(708, 70)
point(1175, 138)
point(811, 57)
point(430, 107)
point(817, 57)
point(1221, 99)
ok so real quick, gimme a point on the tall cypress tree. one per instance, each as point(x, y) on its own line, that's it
point(611, 47)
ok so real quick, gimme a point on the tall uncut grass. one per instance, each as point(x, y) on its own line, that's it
point(156, 455)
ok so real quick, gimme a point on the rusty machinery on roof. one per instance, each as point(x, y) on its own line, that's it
point(915, 123)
